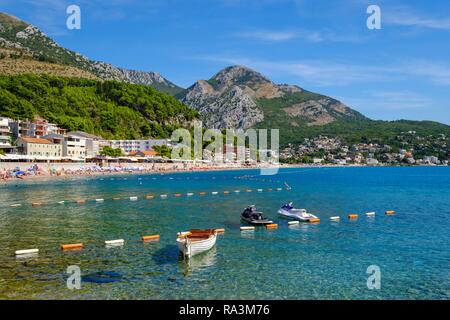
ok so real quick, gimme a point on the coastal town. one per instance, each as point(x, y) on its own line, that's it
point(408, 148)
point(41, 141)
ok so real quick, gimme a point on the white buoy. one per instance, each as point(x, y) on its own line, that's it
point(164, 196)
point(370, 214)
point(279, 189)
point(27, 251)
point(336, 218)
point(293, 222)
point(99, 200)
point(61, 202)
point(190, 194)
point(133, 198)
point(260, 190)
point(247, 228)
point(214, 192)
point(237, 191)
point(118, 242)
point(16, 205)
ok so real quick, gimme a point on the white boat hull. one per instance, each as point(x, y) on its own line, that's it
point(296, 214)
point(190, 248)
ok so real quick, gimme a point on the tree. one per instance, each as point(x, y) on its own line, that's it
point(164, 151)
point(111, 152)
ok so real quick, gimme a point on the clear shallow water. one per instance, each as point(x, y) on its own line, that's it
point(324, 261)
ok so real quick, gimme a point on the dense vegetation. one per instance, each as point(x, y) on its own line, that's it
point(362, 131)
point(111, 152)
point(353, 129)
point(109, 109)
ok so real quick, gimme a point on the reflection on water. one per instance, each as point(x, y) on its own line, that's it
point(248, 234)
point(198, 263)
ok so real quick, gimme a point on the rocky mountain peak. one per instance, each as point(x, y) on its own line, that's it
point(239, 97)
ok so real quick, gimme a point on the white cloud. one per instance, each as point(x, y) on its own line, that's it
point(271, 36)
point(399, 100)
point(313, 36)
point(403, 16)
point(332, 74)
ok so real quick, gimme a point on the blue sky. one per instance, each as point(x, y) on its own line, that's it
point(399, 72)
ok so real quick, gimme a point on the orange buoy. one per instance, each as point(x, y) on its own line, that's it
point(226, 192)
point(149, 196)
point(270, 189)
point(220, 230)
point(73, 246)
point(314, 220)
point(81, 201)
point(202, 193)
point(36, 204)
point(249, 190)
point(390, 212)
point(353, 216)
point(117, 198)
point(150, 238)
point(177, 194)
point(272, 226)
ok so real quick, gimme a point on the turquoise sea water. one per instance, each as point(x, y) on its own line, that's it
point(322, 261)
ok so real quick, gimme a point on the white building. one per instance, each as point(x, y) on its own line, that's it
point(128, 146)
point(94, 144)
point(72, 146)
point(34, 129)
point(38, 147)
point(5, 135)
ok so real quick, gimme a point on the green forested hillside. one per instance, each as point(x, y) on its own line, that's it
point(355, 131)
point(109, 109)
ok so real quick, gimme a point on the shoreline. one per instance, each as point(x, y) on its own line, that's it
point(80, 171)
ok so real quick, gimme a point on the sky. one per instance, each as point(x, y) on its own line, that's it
point(401, 71)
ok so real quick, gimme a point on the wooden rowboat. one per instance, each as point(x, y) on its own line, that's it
point(196, 241)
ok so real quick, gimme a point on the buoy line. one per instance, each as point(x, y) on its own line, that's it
point(102, 200)
point(33, 252)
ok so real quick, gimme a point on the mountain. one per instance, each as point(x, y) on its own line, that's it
point(239, 97)
point(38, 53)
